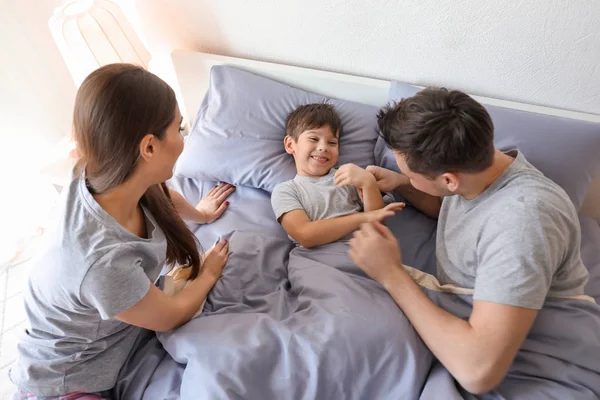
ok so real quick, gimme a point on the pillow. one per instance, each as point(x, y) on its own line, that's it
point(238, 133)
point(590, 254)
point(565, 150)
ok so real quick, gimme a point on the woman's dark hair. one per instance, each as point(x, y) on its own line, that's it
point(438, 131)
point(115, 107)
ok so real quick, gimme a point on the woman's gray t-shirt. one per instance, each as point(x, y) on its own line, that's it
point(89, 270)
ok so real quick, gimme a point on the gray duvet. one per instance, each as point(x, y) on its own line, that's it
point(292, 323)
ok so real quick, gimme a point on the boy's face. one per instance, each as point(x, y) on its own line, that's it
point(315, 151)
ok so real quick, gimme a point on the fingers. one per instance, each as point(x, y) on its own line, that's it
point(218, 189)
point(341, 180)
point(374, 170)
point(219, 211)
point(394, 207)
point(225, 193)
point(383, 230)
point(212, 190)
point(221, 245)
point(339, 176)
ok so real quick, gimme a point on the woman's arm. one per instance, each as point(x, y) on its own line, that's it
point(210, 208)
point(158, 312)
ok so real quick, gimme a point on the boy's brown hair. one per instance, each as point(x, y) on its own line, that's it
point(438, 131)
point(312, 116)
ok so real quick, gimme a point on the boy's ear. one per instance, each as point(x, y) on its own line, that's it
point(288, 141)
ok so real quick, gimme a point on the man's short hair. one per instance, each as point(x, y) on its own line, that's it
point(438, 131)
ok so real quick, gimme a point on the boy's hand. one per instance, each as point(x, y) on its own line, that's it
point(213, 204)
point(387, 180)
point(353, 175)
point(383, 213)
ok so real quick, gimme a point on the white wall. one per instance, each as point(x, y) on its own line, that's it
point(544, 52)
point(36, 102)
point(36, 90)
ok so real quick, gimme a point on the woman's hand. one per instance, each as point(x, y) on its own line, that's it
point(214, 260)
point(213, 205)
point(387, 180)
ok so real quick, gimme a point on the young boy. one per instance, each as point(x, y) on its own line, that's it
point(321, 204)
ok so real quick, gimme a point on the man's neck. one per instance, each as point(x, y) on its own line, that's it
point(483, 180)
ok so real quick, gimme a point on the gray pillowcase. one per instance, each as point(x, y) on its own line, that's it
point(238, 133)
point(565, 150)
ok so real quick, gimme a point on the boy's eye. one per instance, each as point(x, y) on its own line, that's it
point(333, 143)
point(314, 139)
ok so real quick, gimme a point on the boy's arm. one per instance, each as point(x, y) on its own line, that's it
point(390, 180)
point(363, 181)
point(372, 199)
point(316, 233)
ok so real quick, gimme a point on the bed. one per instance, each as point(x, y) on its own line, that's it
point(291, 323)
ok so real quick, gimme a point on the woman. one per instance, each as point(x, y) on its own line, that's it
point(92, 286)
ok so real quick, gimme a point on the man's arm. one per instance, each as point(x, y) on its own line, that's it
point(477, 352)
point(316, 233)
point(426, 203)
point(390, 180)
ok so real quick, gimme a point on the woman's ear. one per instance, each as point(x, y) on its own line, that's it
point(288, 143)
point(147, 149)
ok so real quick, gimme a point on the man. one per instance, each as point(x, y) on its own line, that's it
point(504, 230)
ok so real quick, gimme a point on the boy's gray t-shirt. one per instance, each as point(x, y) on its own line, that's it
point(89, 270)
point(319, 197)
point(516, 243)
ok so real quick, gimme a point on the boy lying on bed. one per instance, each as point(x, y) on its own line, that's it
point(321, 204)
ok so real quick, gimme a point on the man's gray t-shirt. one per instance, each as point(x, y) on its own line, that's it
point(89, 270)
point(319, 197)
point(516, 243)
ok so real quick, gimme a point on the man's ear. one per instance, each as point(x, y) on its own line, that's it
point(452, 181)
point(147, 149)
point(288, 143)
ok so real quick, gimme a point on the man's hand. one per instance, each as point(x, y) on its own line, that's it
point(353, 175)
point(213, 204)
point(376, 251)
point(386, 180)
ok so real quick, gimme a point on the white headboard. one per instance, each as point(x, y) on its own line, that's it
point(193, 74)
